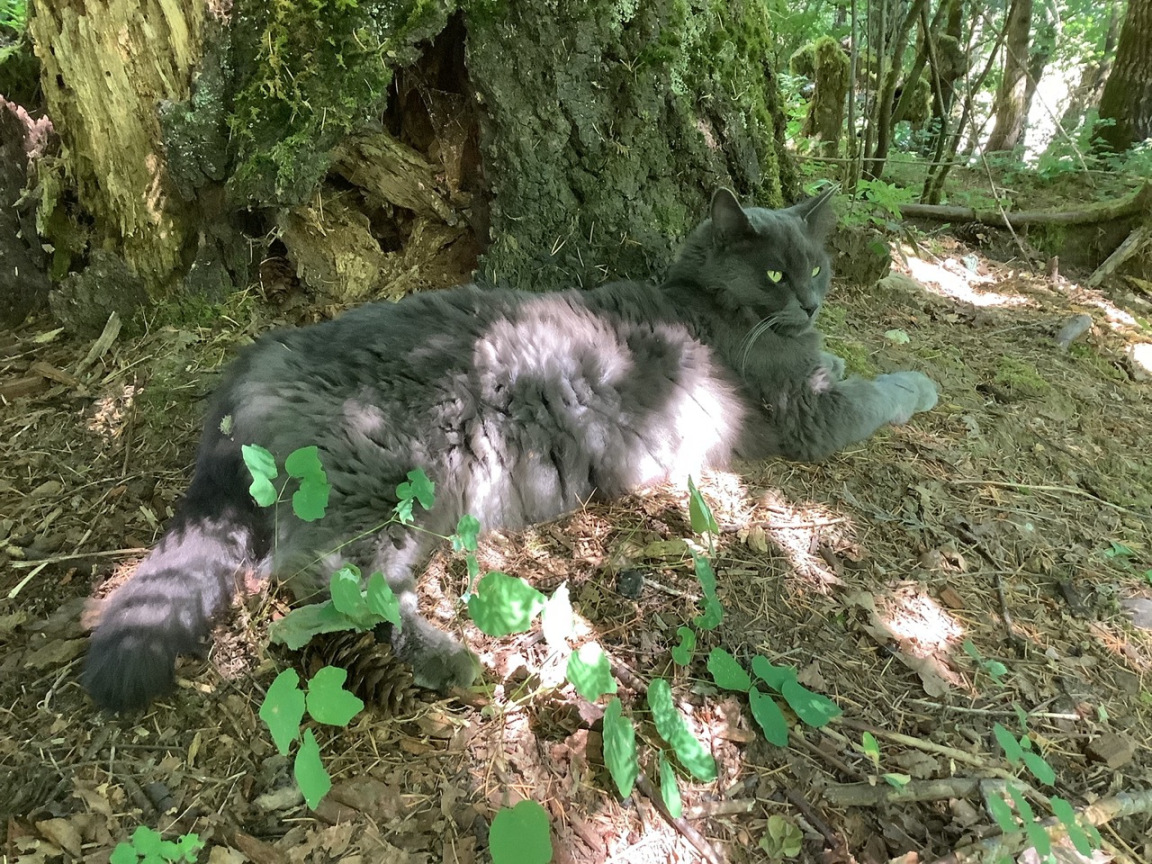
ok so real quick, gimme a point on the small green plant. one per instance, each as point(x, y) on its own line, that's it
point(783, 840)
point(877, 203)
point(871, 748)
point(995, 669)
point(149, 847)
point(520, 835)
point(1021, 751)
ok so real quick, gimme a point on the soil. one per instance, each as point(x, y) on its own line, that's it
point(988, 563)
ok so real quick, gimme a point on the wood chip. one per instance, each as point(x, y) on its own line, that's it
point(1113, 749)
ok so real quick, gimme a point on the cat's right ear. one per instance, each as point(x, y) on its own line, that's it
point(729, 221)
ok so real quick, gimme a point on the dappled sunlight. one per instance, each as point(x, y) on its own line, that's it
point(922, 625)
point(801, 532)
point(110, 416)
point(952, 279)
point(1114, 317)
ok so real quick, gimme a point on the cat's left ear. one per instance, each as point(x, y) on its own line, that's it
point(729, 221)
point(817, 213)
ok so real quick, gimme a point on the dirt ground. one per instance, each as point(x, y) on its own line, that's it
point(1011, 525)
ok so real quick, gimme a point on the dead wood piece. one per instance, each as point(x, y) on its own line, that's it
point(1131, 246)
point(101, 345)
point(1129, 205)
point(1113, 749)
point(866, 795)
point(392, 173)
point(26, 386)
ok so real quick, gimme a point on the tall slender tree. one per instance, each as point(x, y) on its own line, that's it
point(1127, 98)
point(1009, 107)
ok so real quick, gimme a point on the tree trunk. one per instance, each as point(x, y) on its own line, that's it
point(105, 64)
point(1088, 92)
point(1008, 107)
point(1127, 96)
point(552, 145)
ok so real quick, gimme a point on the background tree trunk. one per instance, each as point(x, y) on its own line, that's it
point(551, 145)
point(1127, 96)
point(105, 65)
point(1009, 107)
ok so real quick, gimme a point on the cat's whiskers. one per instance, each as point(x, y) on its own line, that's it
point(744, 350)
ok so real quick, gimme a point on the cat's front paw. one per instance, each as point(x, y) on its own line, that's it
point(438, 661)
point(918, 393)
point(834, 365)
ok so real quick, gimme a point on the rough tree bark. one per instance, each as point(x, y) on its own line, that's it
point(1127, 96)
point(1008, 107)
point(551, 144)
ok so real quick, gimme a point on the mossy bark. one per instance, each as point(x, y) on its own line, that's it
point(569, 140)
point(105, 64)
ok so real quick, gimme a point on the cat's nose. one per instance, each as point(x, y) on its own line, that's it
point(811, 310)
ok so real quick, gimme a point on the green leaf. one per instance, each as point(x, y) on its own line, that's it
point(328, 702)
point(418, 487)
point(870, 748)
point(283, 709)
point(309, 771)
point(124, 853)
point(304, 464)
point(187, 846)
point(815, 709)
point(590, 672)
point(712, 615)
point(403, 511)
point(1008, 744)
point(897, 336)
point(672, 729)
point(557, 620)
point(784, 839)
point(1040, 769)
point(774, 676)
point(670, 788)
point(705, 574)
point(467, 534)
point(1022, 805)
point(296, 629)
point(1063, 811)
point(896, 781)
point(703, 522)
point(521, 835)
point(347, 595)
point(310, 501)
point(682, 653)
point(503, 604)
point(727, 671)
point(146, 841)
point(381, 599)
point(769, 717)
point(1039, 839)
point(262, 466)
point(620, 748)
point(1002, 813)
point(1118, 550)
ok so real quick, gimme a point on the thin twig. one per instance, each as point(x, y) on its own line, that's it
point(686, 831)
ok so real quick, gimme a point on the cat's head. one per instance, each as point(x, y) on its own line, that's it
point(769, 262)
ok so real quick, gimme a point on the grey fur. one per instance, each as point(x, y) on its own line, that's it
point(520, 406)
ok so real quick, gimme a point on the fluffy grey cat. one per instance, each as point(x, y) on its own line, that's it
point(519, 406)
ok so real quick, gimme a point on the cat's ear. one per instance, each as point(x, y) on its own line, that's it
point(817, 213)
point(729, 221)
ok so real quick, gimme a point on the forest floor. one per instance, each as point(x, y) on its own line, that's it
point(990, 562)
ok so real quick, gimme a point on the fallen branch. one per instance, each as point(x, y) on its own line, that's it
point(1104, 211)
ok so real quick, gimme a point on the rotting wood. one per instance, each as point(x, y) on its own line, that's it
point(1105, 211)
point(867, 795)
point(1131, 246)
point(391, 172)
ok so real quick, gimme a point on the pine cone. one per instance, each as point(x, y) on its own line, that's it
point(374, 673)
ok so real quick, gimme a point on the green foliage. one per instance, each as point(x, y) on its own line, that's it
point(503, 604)
point(682, 653)
point(148, 847)
point(418, 488)
point(877, 202)
point(700, 514)
point(350, 608)
point(713, 612)
point(995, 669)
point(303, 465)
point(283, 711)
point(769, 717)
point(669, 787)
point(521, 835)
point(671, 726)
point(590, 672)
point(727, 671)
point(620, 754)
point(783, 840)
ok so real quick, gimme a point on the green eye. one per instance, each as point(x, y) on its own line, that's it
point(775, 275)
point(815, 271)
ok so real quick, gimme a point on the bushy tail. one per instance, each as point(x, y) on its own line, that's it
point(168, 606)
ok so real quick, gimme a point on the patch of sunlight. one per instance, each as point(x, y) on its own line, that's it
point(923, 627)
point(109, 418)
point(800, 531)
point(952, 279)
point(1115, 317)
